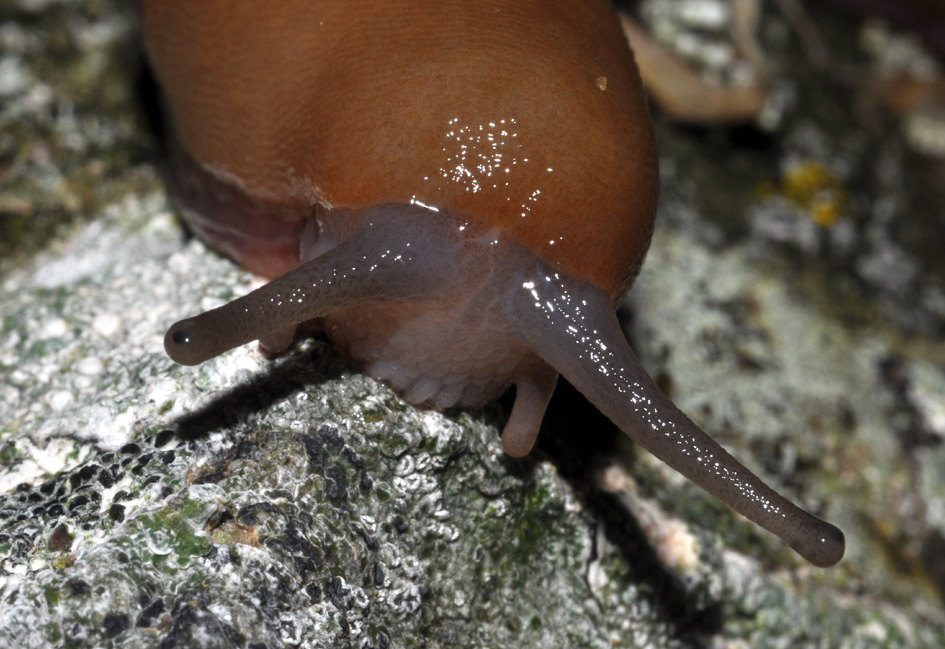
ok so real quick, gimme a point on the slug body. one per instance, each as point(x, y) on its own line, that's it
point(461, 190)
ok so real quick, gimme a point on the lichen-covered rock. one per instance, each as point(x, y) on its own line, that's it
point(292, 502)
point(283, 503)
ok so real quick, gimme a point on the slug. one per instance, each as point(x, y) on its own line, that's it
point(461, 190)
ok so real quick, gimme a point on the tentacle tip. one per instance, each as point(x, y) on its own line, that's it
point(276, 342)
point(824, 549)
point(181, 343)
point(514, 449)
point(518, 439)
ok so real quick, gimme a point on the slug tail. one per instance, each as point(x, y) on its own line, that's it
point(572, 326)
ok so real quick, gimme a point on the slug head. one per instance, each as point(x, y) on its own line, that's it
point(449, 312)
point(522, 123)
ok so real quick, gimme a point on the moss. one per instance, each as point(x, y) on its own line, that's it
point(372, 415)
point(10, 455)
point(395, 444)
point(171, 538)
point(53, 595)
point(54, 632)
point(38, 350)
point(62, 562)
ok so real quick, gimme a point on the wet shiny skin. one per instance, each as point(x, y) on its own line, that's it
point(471, 186)
point(461, 289)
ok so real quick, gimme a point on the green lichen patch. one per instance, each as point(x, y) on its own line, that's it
point(172, 537)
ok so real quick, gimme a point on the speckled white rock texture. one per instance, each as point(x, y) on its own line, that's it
point(251, 502)
point(292, 502)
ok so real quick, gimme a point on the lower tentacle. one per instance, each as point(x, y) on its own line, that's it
point(277, 341)
point(573, 327)
point(532, 393)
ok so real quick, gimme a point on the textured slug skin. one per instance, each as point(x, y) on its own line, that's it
point(369, 103)
point(467, 188)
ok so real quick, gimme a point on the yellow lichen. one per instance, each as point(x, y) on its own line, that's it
point(815, 189)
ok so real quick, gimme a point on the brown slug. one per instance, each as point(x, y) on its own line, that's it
point(461, 190)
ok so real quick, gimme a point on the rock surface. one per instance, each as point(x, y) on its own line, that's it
point(292, 502)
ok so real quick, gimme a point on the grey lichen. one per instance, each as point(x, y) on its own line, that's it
point(292, 502)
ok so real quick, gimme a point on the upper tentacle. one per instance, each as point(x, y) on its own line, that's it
point(388, 257)
point(572, 326)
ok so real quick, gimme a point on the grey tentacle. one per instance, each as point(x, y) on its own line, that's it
point(572, 326)
point(389, 256)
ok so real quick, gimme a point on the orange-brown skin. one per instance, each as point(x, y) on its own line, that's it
point(468, 186)
point(359, 112)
